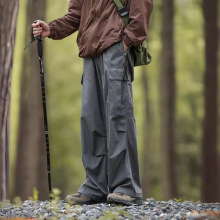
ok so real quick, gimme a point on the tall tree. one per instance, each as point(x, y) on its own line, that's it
point(7, 41)
point(148, 140)
point(31, 153)
point(168, 101)
point(209, 143)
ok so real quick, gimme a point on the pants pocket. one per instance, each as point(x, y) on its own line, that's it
point(121, 46)
point(115, 99)
point(100, 148)
point(121, 123)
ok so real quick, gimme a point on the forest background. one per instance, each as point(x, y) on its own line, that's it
point(176, 103)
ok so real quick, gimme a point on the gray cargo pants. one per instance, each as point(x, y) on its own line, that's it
point(108, 130)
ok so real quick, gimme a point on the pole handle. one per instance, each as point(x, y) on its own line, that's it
point(32, 35)
point(39, 43)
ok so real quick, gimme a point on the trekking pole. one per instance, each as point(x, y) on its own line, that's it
point(40, 55)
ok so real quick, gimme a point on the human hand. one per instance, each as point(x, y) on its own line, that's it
point(125, 45)
point(41, 28)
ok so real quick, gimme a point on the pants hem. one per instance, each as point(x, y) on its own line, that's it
point(128, 192)
point(92, 196)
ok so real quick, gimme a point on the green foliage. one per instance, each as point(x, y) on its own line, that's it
point(35, 195)
point(17, 201)
point(114, 214)
point(4, 204)
point(177, 200)
point(55, 195)
point(190, 68)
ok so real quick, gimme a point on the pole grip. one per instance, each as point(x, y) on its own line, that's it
point(32, 35)
point(40, 48)
point(39, 44)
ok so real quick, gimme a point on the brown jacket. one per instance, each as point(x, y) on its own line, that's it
point(100, 25)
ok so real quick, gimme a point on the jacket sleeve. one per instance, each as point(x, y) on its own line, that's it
point(68, 24)
point(136, 31)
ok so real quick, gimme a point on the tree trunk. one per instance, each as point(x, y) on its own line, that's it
point(148, 140)
point(7, 41)
point(209, 143)
point(31, 154)
point(168, 97)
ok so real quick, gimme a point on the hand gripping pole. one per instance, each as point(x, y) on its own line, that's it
point(40, 55)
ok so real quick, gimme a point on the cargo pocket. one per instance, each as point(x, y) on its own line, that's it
point(100, 148)
point(121, 123)
point(115, 89)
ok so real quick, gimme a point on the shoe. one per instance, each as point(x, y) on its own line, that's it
point(79, 199)
point(123, 199)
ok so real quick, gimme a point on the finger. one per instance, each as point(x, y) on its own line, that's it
point(37, 29)
point(37, 32)
point(38, 24)
point(35, 25)
point(35, 35)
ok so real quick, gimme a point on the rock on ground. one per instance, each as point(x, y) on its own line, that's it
point(150, 209)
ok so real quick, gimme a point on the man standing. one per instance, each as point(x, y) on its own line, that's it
point(108, 130)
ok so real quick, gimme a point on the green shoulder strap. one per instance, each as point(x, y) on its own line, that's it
point(122, 11)
point(141, 54)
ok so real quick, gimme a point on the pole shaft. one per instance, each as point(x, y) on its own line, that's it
point(43, 91)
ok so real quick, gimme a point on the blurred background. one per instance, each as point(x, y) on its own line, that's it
point(176, 105)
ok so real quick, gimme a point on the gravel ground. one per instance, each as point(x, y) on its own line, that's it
point(151, 209)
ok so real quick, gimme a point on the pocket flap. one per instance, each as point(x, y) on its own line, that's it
point(116, 73)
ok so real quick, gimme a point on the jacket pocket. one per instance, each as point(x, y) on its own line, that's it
point(115, 91)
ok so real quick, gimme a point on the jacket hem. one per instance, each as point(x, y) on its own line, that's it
point(108, 43)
